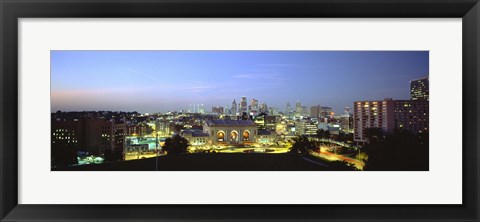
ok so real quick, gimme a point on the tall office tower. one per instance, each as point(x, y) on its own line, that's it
point(298, 109)
point(243, 105)
point(326, 112)
point(234, 108)
point(254, 107)
point(315, 111)
point(288, 109)
point(190, 108)
point(263, 108)
point(347, 109)
point(228, 111)
point(345, 122)
point(419, 89)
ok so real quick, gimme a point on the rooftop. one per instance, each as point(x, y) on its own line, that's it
point(228, 122)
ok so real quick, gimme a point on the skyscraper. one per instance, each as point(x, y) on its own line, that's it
point(254, 107)
point(243, 105)
point(289, 108)
point(372, 114)
point(315, 111)
point(298, 108)
point(263, 108)
point(419, 89)
point(234, 108)
point(389, 114)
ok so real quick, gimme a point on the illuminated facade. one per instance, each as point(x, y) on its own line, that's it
point(389, 114)
point(411, 115)
point(91, 135)
point(234, 110)
point(196, 138)
point(231, 132)
point(419, 89)
point(243, 105)
point(372, 114)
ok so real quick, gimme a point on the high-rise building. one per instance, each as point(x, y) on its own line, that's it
point(419, 89)
point(243, 105)
point(306, 127)
point(263, 108)
point(326, 112)
point(411, 115)
point(234, 108)
point(298, 109)
point(254, 107)
point(91, 135)
point(389, 114)
point(288, 110)
point(201, 110)
point(217, 109)
point(228, 111)
point(315, 111)
point(346, 120)
point(372, 114)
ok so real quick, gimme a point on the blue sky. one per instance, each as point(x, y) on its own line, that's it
point(160, 81)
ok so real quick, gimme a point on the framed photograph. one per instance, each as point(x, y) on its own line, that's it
point(226, 110)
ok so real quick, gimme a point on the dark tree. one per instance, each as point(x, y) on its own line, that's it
point(327, 134)
point(64, 156)
point(321, 133)
point(176, 145)
point(302, 144)
point(113, 155)
point(375, 135)
point(341, 166)
point(398, 151)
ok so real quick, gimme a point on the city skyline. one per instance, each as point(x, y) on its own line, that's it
point(161, 81)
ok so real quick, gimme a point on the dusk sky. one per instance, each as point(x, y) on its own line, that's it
point(160, 81)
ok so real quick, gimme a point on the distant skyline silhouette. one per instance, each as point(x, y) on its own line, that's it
point(161, 81)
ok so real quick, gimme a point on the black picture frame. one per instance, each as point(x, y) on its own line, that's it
point(12, 10)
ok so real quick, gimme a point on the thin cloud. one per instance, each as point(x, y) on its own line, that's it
point(276, 65)
point(259, 76)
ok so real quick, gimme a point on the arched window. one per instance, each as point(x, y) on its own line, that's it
point(246, 135)
point(220, 136)
point(234, 136)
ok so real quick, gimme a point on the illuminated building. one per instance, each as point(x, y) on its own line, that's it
point(196, 137)
point(139, 129)
point(326, 112)
point(201, 110)
point(66, 135)
point(298, 109)
point(346, 120)
point(91, 135)
point(411, 115)
point(267, 136)
point(419, 89)
point(288, 110)
point(372, 114)
point(306, 127)
point(263, 108)
point(231, 132)
point(162, 126)
point(243, 105)
point(234, 108)
point(254, 107)
point(217, 109)
point(315, 111)
point(389, 114)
